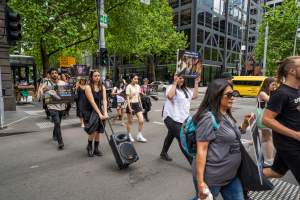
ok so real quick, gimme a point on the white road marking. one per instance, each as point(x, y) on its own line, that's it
point(14, 122)
point(159, 123)
point(34, 166)
point(282, 190)
point(43, 125)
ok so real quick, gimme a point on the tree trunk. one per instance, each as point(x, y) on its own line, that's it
point(44, 57)
point(150, 67)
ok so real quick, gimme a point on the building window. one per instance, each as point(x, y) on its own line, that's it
point(207, 53)
point(216, 24)
point(174, 3)
point(200, 35)
point(187, 32)
point(201, 18)
point(229, 44)
point(208, 19)
point(222, 26)
point(186, 17)
point(207, 37)
point(229, 28)
point(214, 54)
point(221, 42)
point(184, 2)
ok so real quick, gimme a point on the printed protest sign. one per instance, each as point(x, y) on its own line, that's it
point(81, 70)
point(257, 146)
point(189, 64)
point(58, 94)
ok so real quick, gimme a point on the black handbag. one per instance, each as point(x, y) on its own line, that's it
point(249, 175)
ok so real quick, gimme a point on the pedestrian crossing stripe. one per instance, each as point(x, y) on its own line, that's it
point(43, 125)
point(282, 191)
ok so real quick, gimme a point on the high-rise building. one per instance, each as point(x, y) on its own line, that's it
point(273, 3)
point(204, 22)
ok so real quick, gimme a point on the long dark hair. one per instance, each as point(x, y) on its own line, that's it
point(284, 66)
point(118, 85)
point(183, 87)
point(92, 82)
point(266, 84)
point(212, 100)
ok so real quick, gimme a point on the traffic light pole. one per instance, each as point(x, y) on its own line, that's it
point(1, 105)
point(101, 35)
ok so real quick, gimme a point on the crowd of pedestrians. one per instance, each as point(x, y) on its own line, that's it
point(217, 160)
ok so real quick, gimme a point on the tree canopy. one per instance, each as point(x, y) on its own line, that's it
point(51, 28)
point(282, 22)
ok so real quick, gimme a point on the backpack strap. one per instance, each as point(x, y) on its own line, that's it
point(214, 121)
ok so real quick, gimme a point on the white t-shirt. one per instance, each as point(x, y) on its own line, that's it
point(120, 99)
point(133, 92)
point(179, 107)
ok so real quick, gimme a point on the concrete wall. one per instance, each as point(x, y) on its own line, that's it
point(7, 82)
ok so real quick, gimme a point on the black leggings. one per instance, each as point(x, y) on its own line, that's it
point(173, 132)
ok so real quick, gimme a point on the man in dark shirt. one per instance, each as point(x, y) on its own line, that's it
point(283, 117)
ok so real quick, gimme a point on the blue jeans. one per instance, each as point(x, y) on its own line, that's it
point(231, 191)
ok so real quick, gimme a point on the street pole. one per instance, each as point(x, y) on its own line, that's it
point(296, 37)
point(226, 35)
point(101, 34)
point(242, 39)
point(265, 49)
point(1, 104)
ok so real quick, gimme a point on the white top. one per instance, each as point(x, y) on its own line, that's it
point(179, 107)
point(133, 92)
point(120, 99)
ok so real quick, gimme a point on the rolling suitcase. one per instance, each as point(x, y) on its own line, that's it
point(122, 148)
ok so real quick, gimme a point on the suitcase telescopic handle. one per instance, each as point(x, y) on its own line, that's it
point(109, 124)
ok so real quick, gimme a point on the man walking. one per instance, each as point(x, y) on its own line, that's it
point(283, 117)
point(56, 110)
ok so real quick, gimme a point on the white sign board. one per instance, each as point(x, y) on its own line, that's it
point(147, 2)
point(257, 146)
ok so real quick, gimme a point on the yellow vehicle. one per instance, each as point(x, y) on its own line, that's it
point(247, 85)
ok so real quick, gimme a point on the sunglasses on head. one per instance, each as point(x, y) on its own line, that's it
point(229, 94)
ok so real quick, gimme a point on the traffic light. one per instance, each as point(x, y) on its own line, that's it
point(104, 60)
point(13, 26)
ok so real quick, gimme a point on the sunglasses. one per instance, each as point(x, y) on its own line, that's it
point(229, 95)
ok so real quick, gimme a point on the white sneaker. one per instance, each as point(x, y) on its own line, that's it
point(140, 138)
point(131, 138)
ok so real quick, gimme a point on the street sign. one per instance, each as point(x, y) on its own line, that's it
point(147, 2)
point(298, 32)
point(103, 21)
point(67, 61)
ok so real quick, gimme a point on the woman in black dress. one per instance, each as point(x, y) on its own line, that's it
point(81, 100)
point(96, 95)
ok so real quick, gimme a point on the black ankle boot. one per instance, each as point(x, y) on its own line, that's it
point(165, 156)
point(97, 152)
point(89, 149)
point(146, 116)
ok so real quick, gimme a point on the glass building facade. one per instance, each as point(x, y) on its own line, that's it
point(204, 23)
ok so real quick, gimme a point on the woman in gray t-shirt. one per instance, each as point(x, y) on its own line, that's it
point(218, 150)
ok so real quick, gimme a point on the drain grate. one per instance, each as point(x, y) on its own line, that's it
point(282, 191)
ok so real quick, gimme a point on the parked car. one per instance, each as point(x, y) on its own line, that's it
point(161, 86)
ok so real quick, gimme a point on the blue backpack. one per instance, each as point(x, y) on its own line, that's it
point(188, 134)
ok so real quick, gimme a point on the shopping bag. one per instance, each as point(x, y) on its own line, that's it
point(249, 175)
point(259, 115)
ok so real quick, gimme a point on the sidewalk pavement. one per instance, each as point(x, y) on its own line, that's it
point(31, 118)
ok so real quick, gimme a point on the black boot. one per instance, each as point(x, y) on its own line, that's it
point(97, 152)
point(165, 156)
point(89, 149)
point(61, 145)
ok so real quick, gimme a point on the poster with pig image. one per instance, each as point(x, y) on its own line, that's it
point(189, 63)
